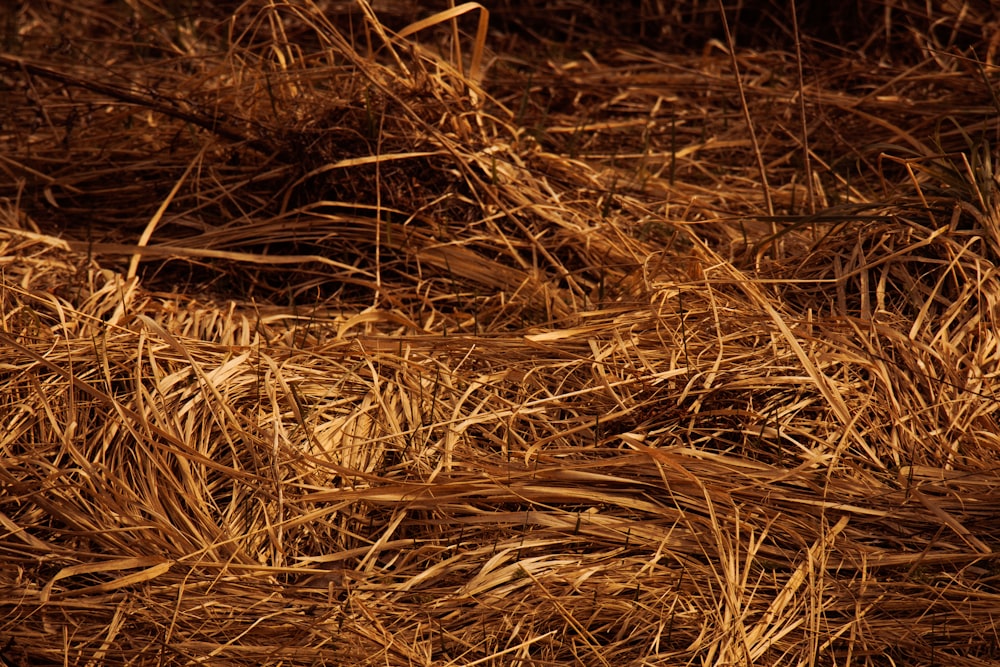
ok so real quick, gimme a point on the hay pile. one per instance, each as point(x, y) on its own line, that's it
point(406, 335)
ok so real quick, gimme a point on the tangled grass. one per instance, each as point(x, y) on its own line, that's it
point(379, 334)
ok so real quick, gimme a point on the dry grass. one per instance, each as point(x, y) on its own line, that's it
point(335, 334)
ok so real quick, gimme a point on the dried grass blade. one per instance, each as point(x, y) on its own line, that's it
point(147, 233)
point(154, 567)
point(454, 12)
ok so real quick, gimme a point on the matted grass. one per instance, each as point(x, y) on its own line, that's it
point(408, 335)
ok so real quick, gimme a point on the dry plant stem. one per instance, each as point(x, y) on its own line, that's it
point(479, 43)
point(731, 48)
point(806, 154)
point(147, 233)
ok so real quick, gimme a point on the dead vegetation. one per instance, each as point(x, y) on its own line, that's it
point(386, 335)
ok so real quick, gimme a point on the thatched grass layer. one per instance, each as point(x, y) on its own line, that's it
point(321, 346)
